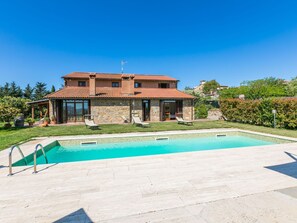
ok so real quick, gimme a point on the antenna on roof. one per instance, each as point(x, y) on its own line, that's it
point(123, 62)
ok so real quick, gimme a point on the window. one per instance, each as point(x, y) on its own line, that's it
point(82, 84)
point(115, 84)
point(137, 85)
point(75, 110)
point(163, 85)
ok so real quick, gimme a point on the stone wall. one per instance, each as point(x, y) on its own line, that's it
point(110, 110)
point(188, 109)
point(51, 109)
point(215, 114)
point(137, 107)
point(155, 110)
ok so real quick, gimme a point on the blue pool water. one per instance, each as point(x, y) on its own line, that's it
point(61, 154)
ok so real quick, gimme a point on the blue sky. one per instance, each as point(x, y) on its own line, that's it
point(230, 41)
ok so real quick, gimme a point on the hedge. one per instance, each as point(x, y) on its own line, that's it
point(259, 112)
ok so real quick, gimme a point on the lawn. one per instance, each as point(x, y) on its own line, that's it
point(12, 136)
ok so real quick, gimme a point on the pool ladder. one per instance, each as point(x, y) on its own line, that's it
point(10, 158)
point(35, 156)
point(24, 158)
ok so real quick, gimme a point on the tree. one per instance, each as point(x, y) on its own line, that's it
point(18, 103)
point(233, 92)
point(5, 90)
point(265, 88)
point(187, 88)
point(28, 92)
point(40, 91)
point(210, 87)
point(8, 113)
point(15, 90)
point(257, 89)
point(53, 89)
point(292, 87)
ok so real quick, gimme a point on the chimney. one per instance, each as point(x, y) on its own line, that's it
point(128, 84)
point(92, 84)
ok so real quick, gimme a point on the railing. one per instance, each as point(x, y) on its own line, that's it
point(35, 154)
point(10, 158)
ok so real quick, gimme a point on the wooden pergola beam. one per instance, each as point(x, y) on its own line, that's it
point(33, 111)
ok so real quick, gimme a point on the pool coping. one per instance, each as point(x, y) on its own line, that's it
point(52, 139)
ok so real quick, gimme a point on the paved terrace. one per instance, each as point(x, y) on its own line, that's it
point(256, 184)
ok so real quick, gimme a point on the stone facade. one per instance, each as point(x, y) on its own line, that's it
point(51, 108)
point(215, 114)
point(188, 111)
point(155, 110)
point(110, 110)
point(137, 107)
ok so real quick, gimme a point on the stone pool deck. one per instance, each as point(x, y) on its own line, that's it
point(255, 184)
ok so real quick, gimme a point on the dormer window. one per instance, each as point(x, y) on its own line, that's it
point(82, 83)
point(115, 84)
point(137, 85)
point(163, 85)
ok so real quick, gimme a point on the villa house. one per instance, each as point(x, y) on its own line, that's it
point(112, 97)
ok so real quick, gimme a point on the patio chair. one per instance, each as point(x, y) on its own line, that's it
point(90, 123)
point(124, 119)
point(180, 120)
point(138, 122)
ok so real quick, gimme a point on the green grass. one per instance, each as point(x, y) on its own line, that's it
point(12, 136)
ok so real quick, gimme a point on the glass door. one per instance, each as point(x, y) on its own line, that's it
point(168, 110)
point(70, 111)
point(74, 110)
point(79, 110)
point(146, 107)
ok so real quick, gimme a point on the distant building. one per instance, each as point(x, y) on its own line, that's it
point(214, 94)
point(199, 88)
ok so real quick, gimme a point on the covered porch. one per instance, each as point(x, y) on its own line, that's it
point(170, 109)
point(42, 106)
point(69, 110)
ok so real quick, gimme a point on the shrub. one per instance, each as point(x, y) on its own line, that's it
point(18, 103)
point(259, 112)
point(201, 111)
point(8, 113)
point(30, 120)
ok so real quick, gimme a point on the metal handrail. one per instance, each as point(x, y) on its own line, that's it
point(10, 158)
point(35, 152)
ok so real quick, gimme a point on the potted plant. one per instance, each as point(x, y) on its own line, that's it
point(53, 120)
point(46, 121)
point(30, 121)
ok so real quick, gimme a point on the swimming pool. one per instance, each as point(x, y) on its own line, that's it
point(109, 148)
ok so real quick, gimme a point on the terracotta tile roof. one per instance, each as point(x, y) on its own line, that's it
point(107, 92)
point(118, 76)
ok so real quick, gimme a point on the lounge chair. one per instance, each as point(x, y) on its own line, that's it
point(182, 121)
point(124, 119)
point(91, 124)
point(138, 122)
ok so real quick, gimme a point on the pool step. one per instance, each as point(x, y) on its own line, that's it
point(221, 135)
point(161, 138)
point(89, 143)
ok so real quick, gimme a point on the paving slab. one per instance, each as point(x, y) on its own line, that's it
point(254, 184)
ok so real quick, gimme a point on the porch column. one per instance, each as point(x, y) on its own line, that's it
point(33, 111)
point(40, 112)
